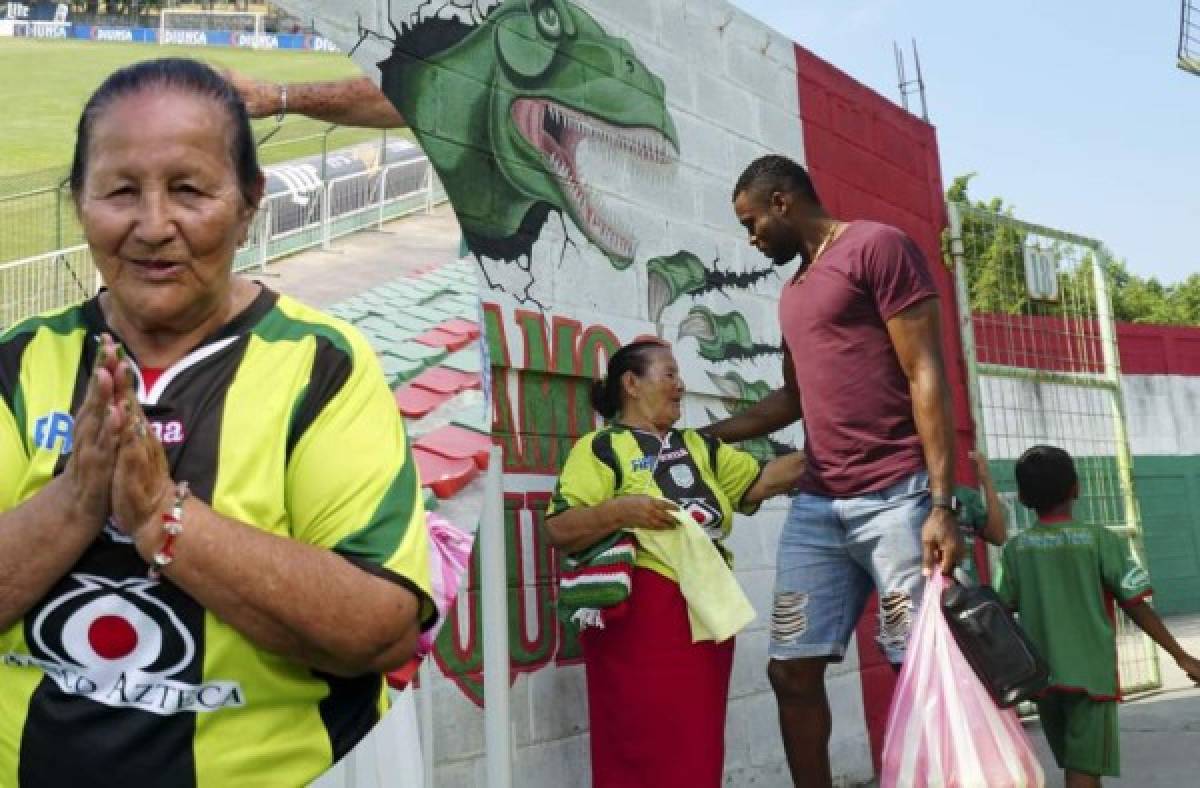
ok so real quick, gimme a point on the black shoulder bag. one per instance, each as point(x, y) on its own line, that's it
point(999, 651)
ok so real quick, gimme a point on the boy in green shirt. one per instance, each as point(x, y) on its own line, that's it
point(1062, 577)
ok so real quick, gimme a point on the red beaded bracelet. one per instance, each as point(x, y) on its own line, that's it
point(172, 525)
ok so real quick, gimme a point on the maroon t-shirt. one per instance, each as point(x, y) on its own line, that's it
point(860, 434)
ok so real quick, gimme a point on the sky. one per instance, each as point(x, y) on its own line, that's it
point(1074, 112)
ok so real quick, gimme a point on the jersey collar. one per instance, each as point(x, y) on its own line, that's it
point(220, 339)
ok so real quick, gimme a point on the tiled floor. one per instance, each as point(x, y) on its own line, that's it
point(418, 306)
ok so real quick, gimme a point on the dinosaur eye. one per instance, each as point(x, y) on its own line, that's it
point(549, 23)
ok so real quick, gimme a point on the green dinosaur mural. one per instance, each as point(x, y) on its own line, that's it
point(738, 394)
point(762, 449)
point(723, 337)
point(671, 277)
point(504, 107)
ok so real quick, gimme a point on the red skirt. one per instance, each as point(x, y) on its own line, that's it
point(656, 701)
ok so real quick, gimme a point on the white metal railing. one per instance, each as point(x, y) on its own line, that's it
point(45, 282)
point(304, 218)
point(286, 223)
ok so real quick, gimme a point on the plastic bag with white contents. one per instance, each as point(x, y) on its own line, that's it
point(449, 556)
point(943, 728)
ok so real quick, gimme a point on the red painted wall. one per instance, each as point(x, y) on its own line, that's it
point(870, 159)
point(1069, 345)
point(1159, 350)
point(1048, 343)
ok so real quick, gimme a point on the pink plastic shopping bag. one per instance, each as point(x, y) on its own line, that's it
point(449, 556)
point(943, 728)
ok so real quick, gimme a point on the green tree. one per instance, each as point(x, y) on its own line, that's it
point(996, 274)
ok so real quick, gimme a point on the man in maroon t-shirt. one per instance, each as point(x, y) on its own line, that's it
point(863, 368)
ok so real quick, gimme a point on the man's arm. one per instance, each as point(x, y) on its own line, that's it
point(1148, 621)
point(773, 412)
point(348, 102)
point(917, 338)
point(780, 475)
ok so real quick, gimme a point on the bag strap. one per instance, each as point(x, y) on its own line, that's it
point(712, 446)
point(602, 448)
point(963, 579)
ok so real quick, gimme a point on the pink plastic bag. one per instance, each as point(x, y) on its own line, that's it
point(943, 728)
point(449, 554)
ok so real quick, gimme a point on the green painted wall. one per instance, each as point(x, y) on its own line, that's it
point(1168, 493)
point(1168, 490)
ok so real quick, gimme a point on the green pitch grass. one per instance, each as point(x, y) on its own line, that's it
point(49, 81)
point(46, 86)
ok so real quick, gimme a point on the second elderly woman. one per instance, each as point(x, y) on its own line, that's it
point(656, 698)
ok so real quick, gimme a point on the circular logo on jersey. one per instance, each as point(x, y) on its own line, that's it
point(1135, 578)
point(115, 642)
point(704, 515)
point(110, 627)
point(682, 475)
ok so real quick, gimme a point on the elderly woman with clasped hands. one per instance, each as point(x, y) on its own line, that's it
point(212, 542)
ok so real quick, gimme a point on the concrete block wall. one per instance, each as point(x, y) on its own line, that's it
point(872, 160)
point(1161, 385)
point(733, 89)
point(729, 103)
point(557, 305)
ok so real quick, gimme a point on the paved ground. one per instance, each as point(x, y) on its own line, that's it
point(366, 259)
point(1160, 731)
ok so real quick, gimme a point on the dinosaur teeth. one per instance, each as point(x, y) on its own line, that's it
point(560, 166)
point(725, 385)
point(658, 294)
point(617, 154)
point(697, 325)
point(645, 144)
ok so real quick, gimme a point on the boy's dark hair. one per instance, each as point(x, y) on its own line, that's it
point(634, 357)
point(1046, 477)
point(777, 174)
point(182, 74)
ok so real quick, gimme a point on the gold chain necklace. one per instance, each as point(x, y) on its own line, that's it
point(800, 273)
point(833, 228)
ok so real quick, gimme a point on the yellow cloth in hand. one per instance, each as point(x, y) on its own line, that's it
point(717, 607)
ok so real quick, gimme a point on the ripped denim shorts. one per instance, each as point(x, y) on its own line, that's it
point(832, 553)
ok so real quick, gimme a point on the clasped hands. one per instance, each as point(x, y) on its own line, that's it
point(117, 469)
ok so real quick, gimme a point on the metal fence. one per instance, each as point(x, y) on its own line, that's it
point(1040, 345)
point(285, 224)
point(1189, 37)
point(37, 216)
point(44, 282)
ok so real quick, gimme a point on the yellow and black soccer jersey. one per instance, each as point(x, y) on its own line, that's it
point(705, 476)
point(283, 421)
